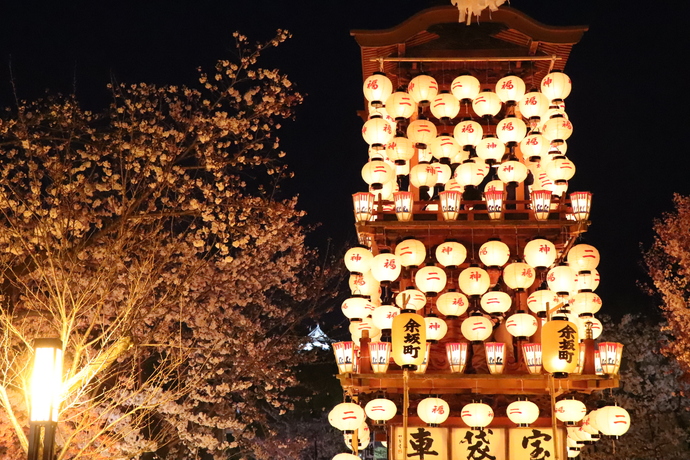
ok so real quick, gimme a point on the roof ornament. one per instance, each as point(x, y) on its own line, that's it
point(468, 8)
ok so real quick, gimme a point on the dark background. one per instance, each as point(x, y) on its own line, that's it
point(628, 103)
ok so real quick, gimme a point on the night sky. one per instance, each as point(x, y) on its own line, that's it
point(628, 103)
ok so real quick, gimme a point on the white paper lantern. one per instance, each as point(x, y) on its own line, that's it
point(445, 106)
point(410, 252)
point(357, 307)
point(491, 149)
point(585, 303)
point(468, 132)
point(522, 413)
point(521, 325)
point(376, 172)
point(470, 172)
point(423, 175)
point(534, 146)
point(476, 328)
point(557, 129)
point(539, 301)
point(486, 104)
point(452, 303)
point(496, 302)
point(511, 129)
point(430, 279)
point(377, 88)
point(382, 316)
point(423, 88)
point(465, 87)
point(433, 411)
point(400, 149)
point(346, 416)
point(385, 267)
point(540, 253)
point(613, 420)
point(512, 172)
point(436, 328)
point(364, 284)
point(450, 254)
point(583, 257)
point(510, 88)
point(494, 253)
point(560, 170)
point(358, 259)
point(377, 132)
point(474, 281)
point(556, 85)
point(477, 415)
point(570, 411)
point(416, 299)
point(561, 279)
point(380, 409)
point(421, 132)
point(400, 105)
point(533, 105)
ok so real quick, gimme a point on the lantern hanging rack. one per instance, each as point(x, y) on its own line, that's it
point(553, 58)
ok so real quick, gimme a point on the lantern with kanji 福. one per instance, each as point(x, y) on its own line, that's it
point(510, 88)
point(570, 411)
point(408, 339)
point(380, 410)
point(533, 105)
point(377, 132)
point(522, 413)
point(346, 416)
point(477, 415)
point(518, 276)
point(450, 254)
point(452, 304)
point(511, 130)
point(559, 339)
point(468, 132)
point(494, 253)
point(585, 303)
point(377, 88)
point(385, 267)
point(433, 411)
point(561, 279)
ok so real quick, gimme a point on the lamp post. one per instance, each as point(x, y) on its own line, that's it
point(46, 379)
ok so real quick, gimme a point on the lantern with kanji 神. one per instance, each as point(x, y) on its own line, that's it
point(474, 280)
point(541, 203)
point(512, 172)
point(495, 356)
point(457, 356)
point(556, 86)
point(377, 88)
point(380, 410)
point(494, 253)
point(570, 411)
point(400, 150)
point(403, 205)
point(491, 150)
point(436, 328)
point(465, 87)
point(468, 132)
point(559, 339)
point(344, 356)
point(410, 299)
point(411, 252)
point(400, 105)
point(511, 130)
point(358, 259)
point(430, 280)
point(423, 88)
point(346, 416)
point(532, 355)
point(581, 203)
point(452, 304)
point(486, 104)
point(379, 355)
point(408, 339)
point(450, 204)
point(496, 302)
point(522, 413)
point(477, 415)
point(363, 203)
point(423, 175)
point(494, 203)
point(521, 325)
point(612, 421)
point(450, 254)
point(610, 354)
point(476, 328)
point(385, 267)
point(445, 107)
point(540, 253)
point(510, 88)
point(518, 276)
point(433, 411)
point(421, 132)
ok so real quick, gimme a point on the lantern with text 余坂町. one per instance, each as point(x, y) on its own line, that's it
point(408, 339)
point(559, 339)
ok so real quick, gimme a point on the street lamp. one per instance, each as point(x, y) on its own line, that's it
point(46, 381)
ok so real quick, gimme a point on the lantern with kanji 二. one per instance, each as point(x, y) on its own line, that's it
point(452, 304)
point(612, 421)
point(345, 456)
point(377, 88)
point(470, 172)
point(495, 356)
point(465, 87)
point(445, 106)
point(539, 301)
point(477, 415)
point(522, 413)
point(521, 325)
point(583, 257)
point(380, 410)
point(450, 254)
point(430, 280)
point(560, 170)
point(540, 253)
point(363, 437)
point(423, 88)
point(496, 302)
point(410, 299)
point(346, 416)
point(344, 356)
point(421, 132)
point(476, 328)
point(457, 356)
point(408, 339)
point(411, 252)
point(433, 411)
point(444, 148)
point(400, 105)
point(559, 338)
point(377, 172)
point(356, 307)
point(486, 104)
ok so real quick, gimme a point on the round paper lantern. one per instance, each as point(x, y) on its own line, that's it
point(585, 303)
point(408, 339)
point(382, 316)
point(470, 172)
point(423, 175)
point(377, 88)
point(346, 457)
point(430, 279)
point(570, 411)
point(465, 87)
point(410, 252)
point(451, 254)
point(477, 415)
point(346, 416)
point(474, 281)
point(486, 104)
point(533, 146)
point(423, 88)
point(533, 105)
point(433, 411)
point(496, 302)
point(380, 410)
point(364, 284)
point(452, 184)
point(385, 267)
point(452, 304)
point(386, 192)
point(522, 413)
point(521, 325)
point(357, 307)
point(494, 185)
point(363, 438)
point(445, 106)
point(443, 173)
point(468, 132)
point(595, 325)
point(560, 170)
point(400, 150)
point(511, 129)
point(494, 253)
point(377, 132)
point(416, 300)
point(377, 172)
point(476, 328)
point(421, 132)
point(357, 329)
point(400, 105)
point(491, 149)
point(557, 129)
point(358, 259)
point(510, 88)
point(539, 301)
point(561, 279)
point(556, 85)
point(612, 420)
point(559, 339)
point(444, 148)
point(540, 253)
point(512, 172)
point(436, 328)
point(583, 257)
point(518, 275)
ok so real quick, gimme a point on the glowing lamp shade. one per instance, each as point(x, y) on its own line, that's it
point(46, 380)
point(423, 175)
point(363, 284)
point(511, 129)
point(445, 106)
point(423, 88)
point(470, 172)
point(436, 328)
point(495, 356)
point(540, 253)
point(476, 328)
point(356, 307)
point(518, 275)
point(542, 300)
point(522, 413)
point(450, 254)
point(581, 203)
point(358, 259)
point(444, 147)
point(486, 104)
point(363, 438)
point(557, 129)
point(363, 203)
point(377, 132)
point(594, 324)
point(443, 173)
point(583, 257)
point(474, 281)
point(379, 355)
point(534, 146)
point(433, 411)
point(491, 149)
point(496, 302)
point(588, 280)
point(377, 172)
point(410, 299)
point(533, 105)
point(541, 203)
point(612, 420)
point(560, 170)
point(510, 88)
point(494, 253)
point(408, 339)
point(465, 87)
point(457, 356)
point(556, 86)
point(521, 325)
point(468, 132)
point(421, 132)
point(585, 303)
point(403, 206)
point(494, 203)
point(346, 416)
point(410, 252)
point(452, 304)
point(345, 456)
point(380, 410)
point(385, 267)
point(477, 415)
point(559, 339)
point(610, 354)
point(430, 279)
point(344, 356)
point(377, 88)
point(512, 172)
point(532, 355)
point(357, 329)
point(383, 316)
point(450, 204)
point(400, 150)
point(400, 105)
point(561, 279)
point(570, 411)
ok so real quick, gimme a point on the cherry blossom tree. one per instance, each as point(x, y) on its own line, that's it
point(151, 239)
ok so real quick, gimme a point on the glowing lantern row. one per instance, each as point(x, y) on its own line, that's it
point(570, 411)
point(433, 411)
point(346, 416)
point(380, 410)
point(522, 413)
point(379, 355)
point(477, 415)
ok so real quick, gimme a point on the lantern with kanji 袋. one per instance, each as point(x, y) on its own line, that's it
point(494, 253)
